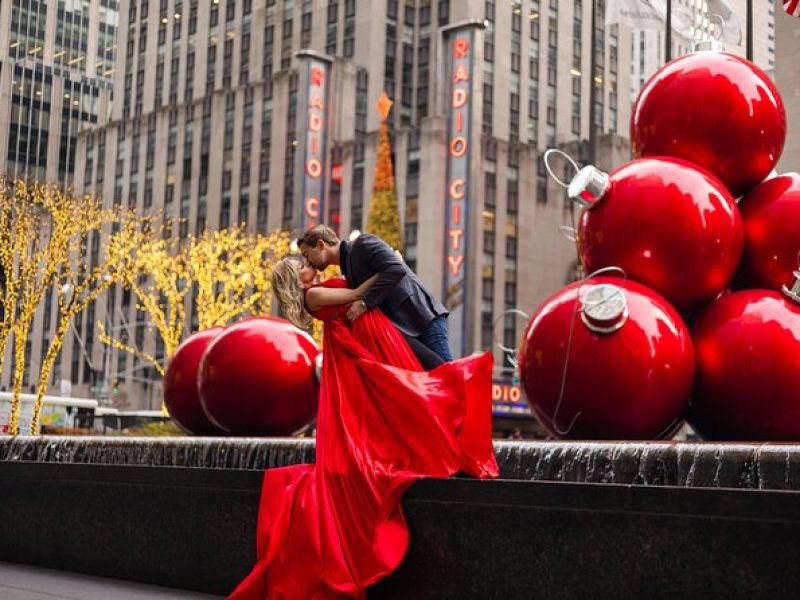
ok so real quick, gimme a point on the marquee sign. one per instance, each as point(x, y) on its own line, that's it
point(459, 56)
point(507, 399)
point(312, 110)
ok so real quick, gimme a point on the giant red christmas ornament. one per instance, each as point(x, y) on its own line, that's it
point(667, 223)
point(180, 384)
point(607, 358)
point(714, 109)
point(771, 217)
point(257, 378)
point(748, 367)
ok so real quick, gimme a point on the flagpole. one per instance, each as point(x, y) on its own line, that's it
point(592, 90)
point(749, 29)
point(668, 36)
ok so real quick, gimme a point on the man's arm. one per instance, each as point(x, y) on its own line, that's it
point(384, 262)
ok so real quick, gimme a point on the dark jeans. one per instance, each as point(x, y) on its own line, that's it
point(435, 338)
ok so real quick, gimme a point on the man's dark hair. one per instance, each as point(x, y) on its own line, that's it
point(313, 235)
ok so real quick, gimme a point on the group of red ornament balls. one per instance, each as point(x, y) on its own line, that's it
point(695, 313)
point(256, 377)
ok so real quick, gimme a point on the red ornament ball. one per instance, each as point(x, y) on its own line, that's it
point(669, 225)
point(180, 384)
point(714, 109)
point(257, 378)
point(625, 362)
point(771, 217)
point(748, 376)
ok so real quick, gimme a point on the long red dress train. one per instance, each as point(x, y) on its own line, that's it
point(331, 529)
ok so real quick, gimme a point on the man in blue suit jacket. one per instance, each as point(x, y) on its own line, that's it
point(398, 292)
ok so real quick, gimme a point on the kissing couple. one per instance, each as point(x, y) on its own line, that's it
point(394, 407)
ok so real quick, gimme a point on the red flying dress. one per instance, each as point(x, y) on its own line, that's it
point(330, 529)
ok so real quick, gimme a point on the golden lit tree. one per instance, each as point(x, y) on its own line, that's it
point(268, 249)
point(100, 249)
point(383, 219)
point(40, 227)
point(45, 236)
point(20, 249)
point(230, 272)
point(46, 209)
point(160, 282)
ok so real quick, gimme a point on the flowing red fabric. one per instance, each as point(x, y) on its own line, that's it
point(331, 529)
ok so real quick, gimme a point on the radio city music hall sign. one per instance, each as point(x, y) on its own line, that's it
point(314, 150)
point(457, 191)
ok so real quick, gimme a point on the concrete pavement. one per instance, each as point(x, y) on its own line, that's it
point(23, 582)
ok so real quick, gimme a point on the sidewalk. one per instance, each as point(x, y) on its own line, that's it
point(22, 582)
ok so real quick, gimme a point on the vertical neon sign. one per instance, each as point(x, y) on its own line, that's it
point(457, 188)
point(313, 153)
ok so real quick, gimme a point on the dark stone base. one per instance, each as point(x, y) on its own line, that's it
point(503, 539)
point(195, 529)
point(191, 529)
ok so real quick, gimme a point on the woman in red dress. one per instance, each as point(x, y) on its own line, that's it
point(331, 529)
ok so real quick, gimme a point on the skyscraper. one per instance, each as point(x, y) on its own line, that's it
point(648, 50)
point(787, 78)
point(56, 70)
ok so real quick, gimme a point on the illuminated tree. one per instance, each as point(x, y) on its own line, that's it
point(87, 272)
point(383, 219)
point(20, 251)
point(229, 270)
point(160, 282)
point(268, 250)
point(45, 236)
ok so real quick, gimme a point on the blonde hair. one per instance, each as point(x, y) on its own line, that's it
point(287, 290)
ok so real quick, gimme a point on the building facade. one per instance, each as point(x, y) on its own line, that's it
point(648, 48)
point(787, 78)
point(212, 123)
point(56, 71)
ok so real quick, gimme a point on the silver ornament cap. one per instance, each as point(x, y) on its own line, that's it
point(792, 287)
point(588, 186)
point(709, 46)
point(604, 308)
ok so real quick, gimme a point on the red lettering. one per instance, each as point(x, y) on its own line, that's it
point(312, 207)
point(317, 76)
point(457, 188)
point(460, 48)
point(337, 173)
point(459, 121)
point(455, 264)
point(505, 392)
point(456, 214)
point(314, 122)
point(459, 97)
point(316, 102)
point(460, 74)
point(458, 146)
point(314, 145)
point(455, 236)
point(314, 168)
